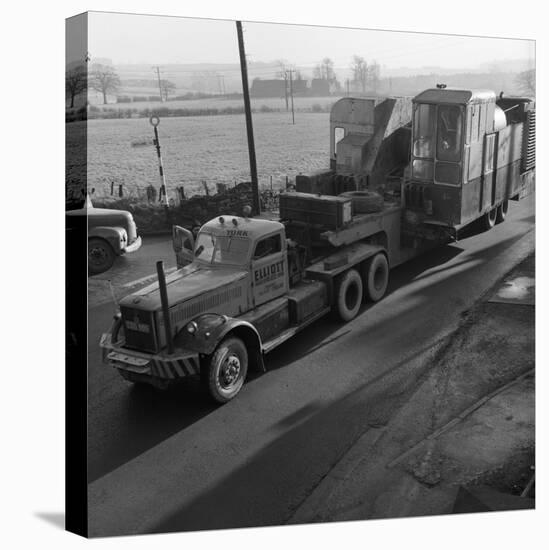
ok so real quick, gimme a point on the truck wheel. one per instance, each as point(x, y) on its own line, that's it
point(489, 219)
point(100, 256)
point(348, 295)
point(502, 211)
point(377, 277)
point(227, 370)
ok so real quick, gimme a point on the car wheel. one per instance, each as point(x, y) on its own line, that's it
point(100, 256)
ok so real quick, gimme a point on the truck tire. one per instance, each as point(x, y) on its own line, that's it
point(502, 211)
point(364, 202)
point(100, 256)
point(489, 219)
point(377, 277)
point(348, 295)
point(227, 370)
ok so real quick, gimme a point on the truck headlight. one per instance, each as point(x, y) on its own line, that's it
point(192, 327)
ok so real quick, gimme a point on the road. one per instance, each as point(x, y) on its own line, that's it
point(172, 461)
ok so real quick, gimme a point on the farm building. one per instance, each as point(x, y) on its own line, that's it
point(268, 88)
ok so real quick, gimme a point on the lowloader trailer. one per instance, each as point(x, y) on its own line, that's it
point(246, 285)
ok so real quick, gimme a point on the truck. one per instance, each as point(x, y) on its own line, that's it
point(246, 285)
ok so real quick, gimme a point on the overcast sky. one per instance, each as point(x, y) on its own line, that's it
point(126, 38)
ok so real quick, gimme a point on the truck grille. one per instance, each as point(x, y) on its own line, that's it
point(139, 329)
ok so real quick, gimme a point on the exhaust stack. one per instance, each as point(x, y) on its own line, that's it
point(164, 301)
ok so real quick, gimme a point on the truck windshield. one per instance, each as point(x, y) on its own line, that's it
point(221, 249)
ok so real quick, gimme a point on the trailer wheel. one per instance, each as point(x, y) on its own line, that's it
point(502, 211)
point(227, 370)
point(100, 256)
point(377, 277)
point(489, 219)
point(348, 295)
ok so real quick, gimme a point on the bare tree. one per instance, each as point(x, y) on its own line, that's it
point(76, 82)
point(526, 81)
point(360, 71)
point(328, 69)
point(166, 87)
point(283, 73)
point(104, 79)
point(373, 75)
point(325, 70)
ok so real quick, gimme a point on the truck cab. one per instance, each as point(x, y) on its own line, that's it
point(256, 247)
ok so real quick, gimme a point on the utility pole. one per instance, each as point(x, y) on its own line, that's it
point(292, 94)
point(347, 87)
point(159, 84)
point(248, 111)
point(286, 90)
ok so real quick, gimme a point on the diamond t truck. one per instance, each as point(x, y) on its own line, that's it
point(246, 285)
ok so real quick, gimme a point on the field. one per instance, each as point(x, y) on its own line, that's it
point(205, 148)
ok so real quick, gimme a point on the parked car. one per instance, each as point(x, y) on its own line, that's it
point(111, 233)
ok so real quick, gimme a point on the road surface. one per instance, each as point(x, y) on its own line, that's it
point(161, 461)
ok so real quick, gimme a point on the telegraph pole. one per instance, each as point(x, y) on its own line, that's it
point(248, 111)
point(292, 94)
point(159, 84)
point(286, 89)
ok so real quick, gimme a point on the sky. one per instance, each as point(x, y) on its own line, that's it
point(128, 38)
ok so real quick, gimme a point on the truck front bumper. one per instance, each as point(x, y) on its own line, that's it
point(136, 245)
point(179, 365)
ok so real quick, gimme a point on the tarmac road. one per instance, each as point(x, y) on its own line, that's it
point(172, 461)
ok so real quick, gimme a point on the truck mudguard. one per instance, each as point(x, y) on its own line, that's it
point(117, 237)
point(204, 333)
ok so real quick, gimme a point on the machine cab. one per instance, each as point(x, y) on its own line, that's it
point(448, 133)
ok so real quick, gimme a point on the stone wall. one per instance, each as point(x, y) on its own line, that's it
point(154, 218)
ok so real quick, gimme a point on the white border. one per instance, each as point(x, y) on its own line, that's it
point(33, 232)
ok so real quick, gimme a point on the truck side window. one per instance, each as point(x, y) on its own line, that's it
point(267, 246)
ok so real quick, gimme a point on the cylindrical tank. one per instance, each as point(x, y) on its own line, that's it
point(500, 119)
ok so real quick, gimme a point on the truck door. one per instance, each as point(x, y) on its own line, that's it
point(269, 269)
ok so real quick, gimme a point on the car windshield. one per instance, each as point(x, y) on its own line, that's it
point(221, 249)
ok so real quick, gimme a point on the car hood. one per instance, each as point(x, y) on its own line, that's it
point(103, 216)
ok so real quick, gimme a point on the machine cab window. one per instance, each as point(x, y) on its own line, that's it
point(424, 130)
point(437, 143)
point(449, 124)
